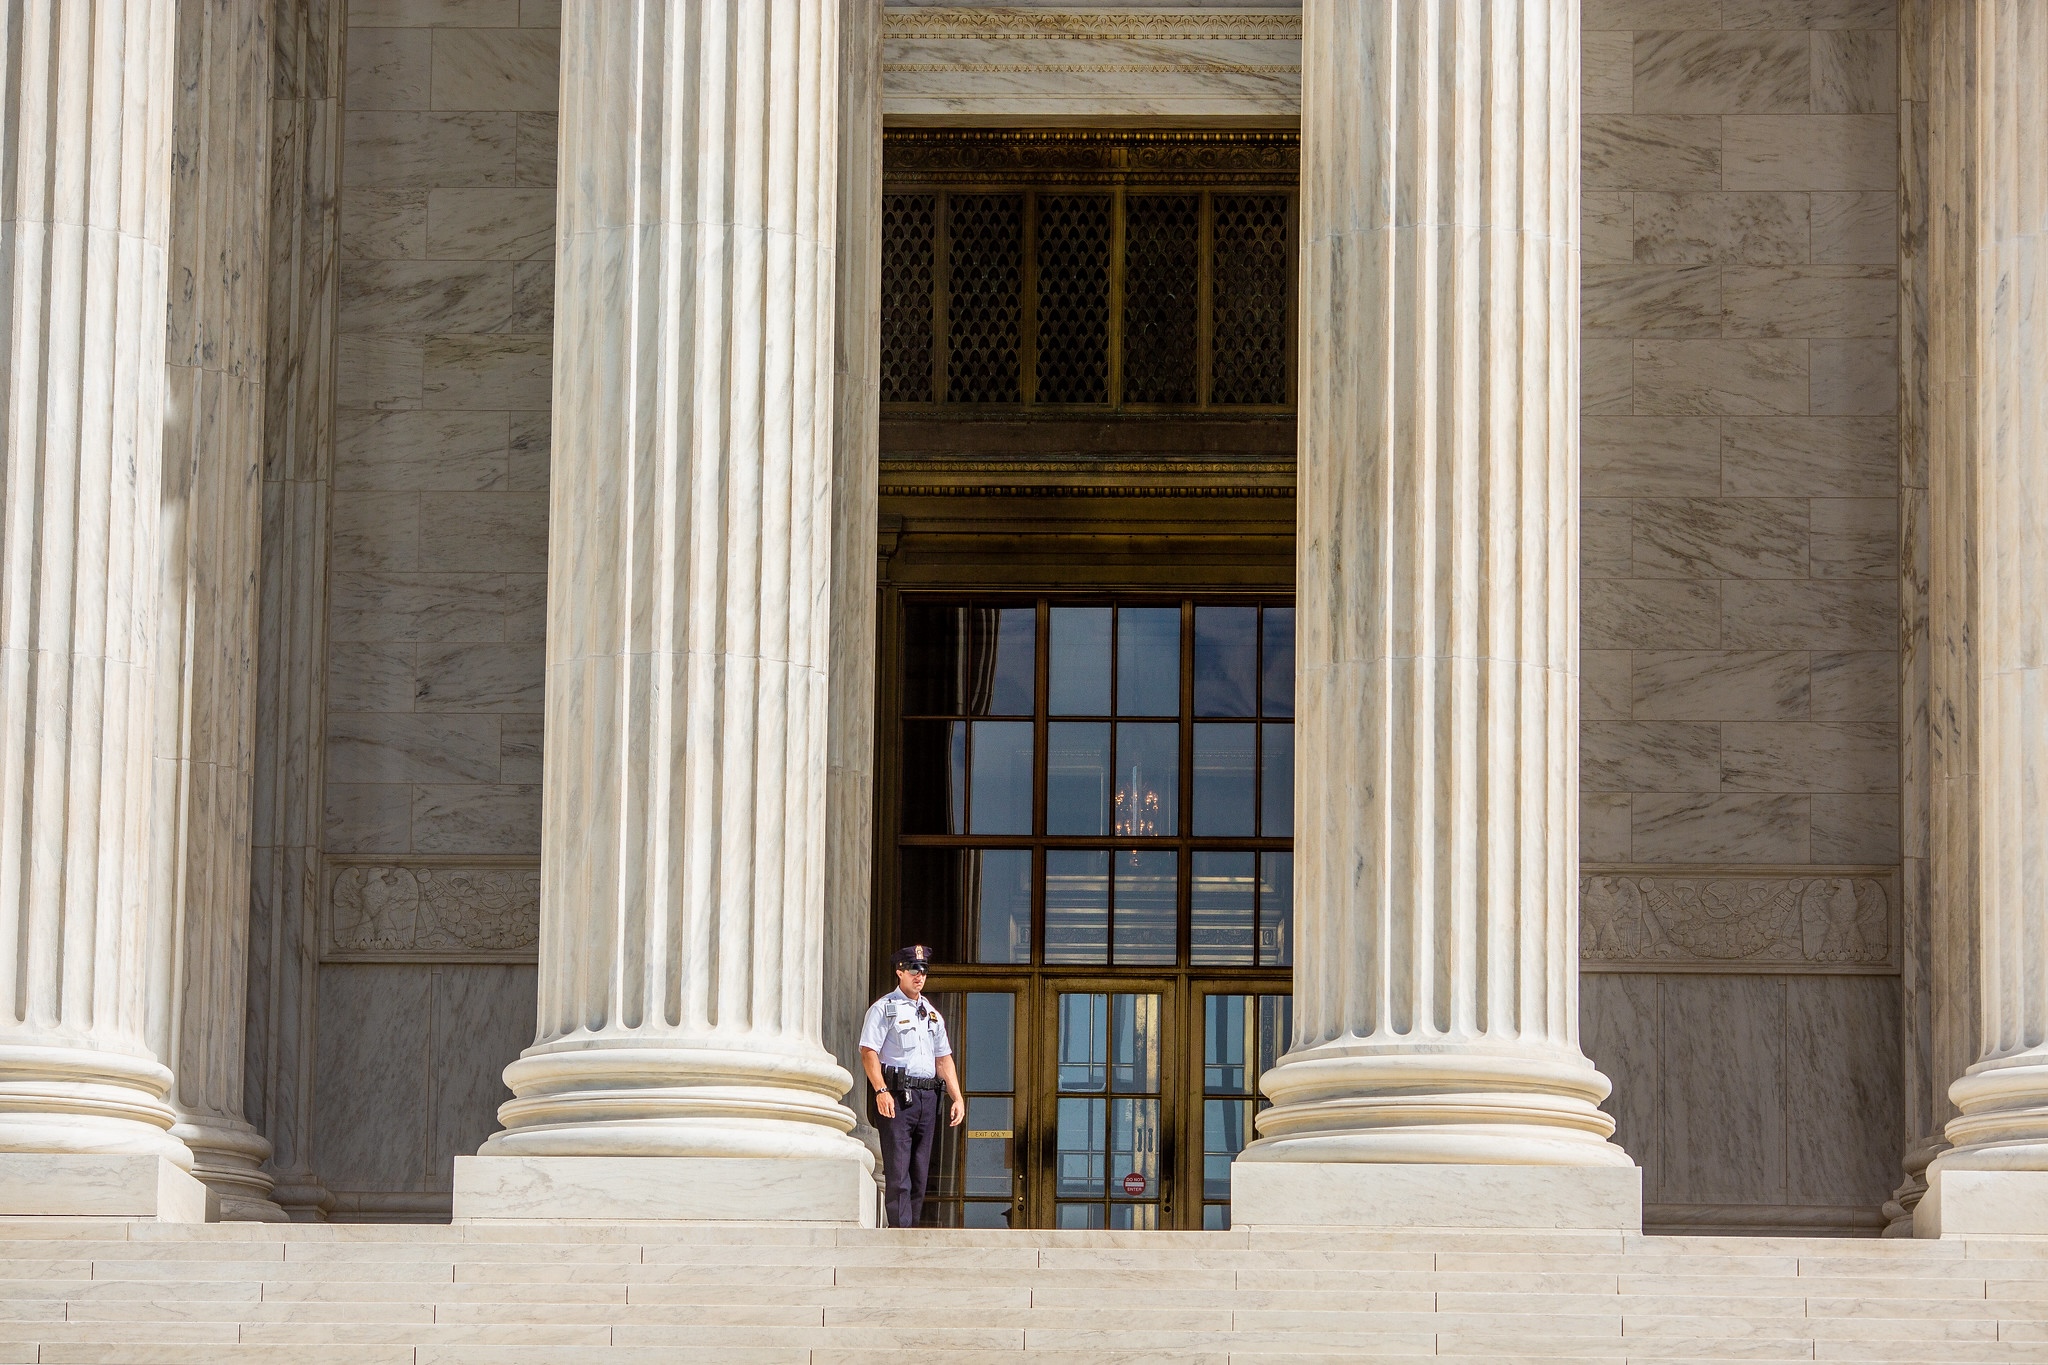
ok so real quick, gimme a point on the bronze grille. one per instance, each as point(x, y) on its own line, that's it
point(908, 221)
point(983, 304)
point(1073, 298)
point(1163, 257)
point(1252, 260)
point(1088, 270)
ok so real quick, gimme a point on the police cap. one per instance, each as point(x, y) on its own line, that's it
point(916, 955)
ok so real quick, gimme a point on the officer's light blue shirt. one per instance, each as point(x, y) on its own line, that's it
point(894, 1030)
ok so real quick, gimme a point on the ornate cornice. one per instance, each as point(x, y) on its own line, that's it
point(917, 156)
point(1042, 24)
point(1187, 478)
point(1070, 69)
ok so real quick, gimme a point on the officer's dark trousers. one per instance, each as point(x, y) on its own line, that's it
point(907, 1154)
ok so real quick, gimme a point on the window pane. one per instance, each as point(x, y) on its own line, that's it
point(1276, 783)
point(1079, 665)
point(1134, 1043)
point(1144, 918)
point(1077, 788)
point(1225, 794)
point(1147, 780)
point(969, 904)
point(1226, 661)
point(988, 1054)
point(1215, 1217)
point(1134, 1148)
point(986, 1215)
point(1134, 1217)
point(1276, 909)
point(1277, 685)
point(1223, 1038)
point(1080, 1216)
point(1148, 661)
point(1079, 1158)
point(1001, 802)
point(1226, 1125)
point(980, 661)
point(1084, 1042)
point(998, 901)
point(1276, 1029)
point(989, 1144)
point(1222, 909)
point(934, 777)
point(1077, 906)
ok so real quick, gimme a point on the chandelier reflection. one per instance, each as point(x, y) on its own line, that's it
point(1138, 808)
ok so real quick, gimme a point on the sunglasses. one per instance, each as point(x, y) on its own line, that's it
point(920, 971)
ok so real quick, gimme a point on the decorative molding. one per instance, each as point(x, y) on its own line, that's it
point(474, 910)
point(1818, 920)
point(1086, 26)
point(1073, 69)
point(916, 157)
point(926, 478)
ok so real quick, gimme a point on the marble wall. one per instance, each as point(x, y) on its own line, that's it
point(1740, 586)
point(1740, 749)
point(439, 505)
point(436, 555)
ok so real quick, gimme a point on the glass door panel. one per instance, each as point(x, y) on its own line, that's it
point(1242, 1035)
point(974, 1177)
point(1090, 802)
point(1109, 1147)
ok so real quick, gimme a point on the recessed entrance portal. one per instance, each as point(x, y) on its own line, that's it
point(1095, 836)
point(1085, 737)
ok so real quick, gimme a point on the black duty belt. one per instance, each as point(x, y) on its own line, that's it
point(901, 1080)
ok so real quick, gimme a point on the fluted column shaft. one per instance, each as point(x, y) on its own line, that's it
point(206, 602)
point(1435, 986)
point(1989, 566)
point(850, 743)
point(683, 842)
point(291, 656)
point(85, 110)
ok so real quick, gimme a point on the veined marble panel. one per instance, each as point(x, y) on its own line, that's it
point(986, 65)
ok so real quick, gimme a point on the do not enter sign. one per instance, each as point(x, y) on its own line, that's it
point(1134, 1184)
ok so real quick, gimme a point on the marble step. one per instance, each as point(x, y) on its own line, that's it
point(102, 1294)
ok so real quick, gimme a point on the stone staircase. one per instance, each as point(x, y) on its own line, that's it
point(555, 1294)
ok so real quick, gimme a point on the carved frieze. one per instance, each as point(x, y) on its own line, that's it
point(1844, 921)
point(384, 912)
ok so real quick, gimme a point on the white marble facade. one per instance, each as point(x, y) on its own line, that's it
point(1772, 969)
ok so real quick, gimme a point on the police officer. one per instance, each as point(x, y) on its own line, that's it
point(907, 1057)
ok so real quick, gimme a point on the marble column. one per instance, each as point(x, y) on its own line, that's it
point(850, 723)
point(678, 1070)
point(1926, 991)
point(206, 594)
point(1435, 1075)
point(1988, 514)
point(85, 110)
point(291, 651)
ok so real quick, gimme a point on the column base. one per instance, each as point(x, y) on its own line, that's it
point(77, 1185)
point(1966, 1203)
point(1400, 1195)
point(684, 1189)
